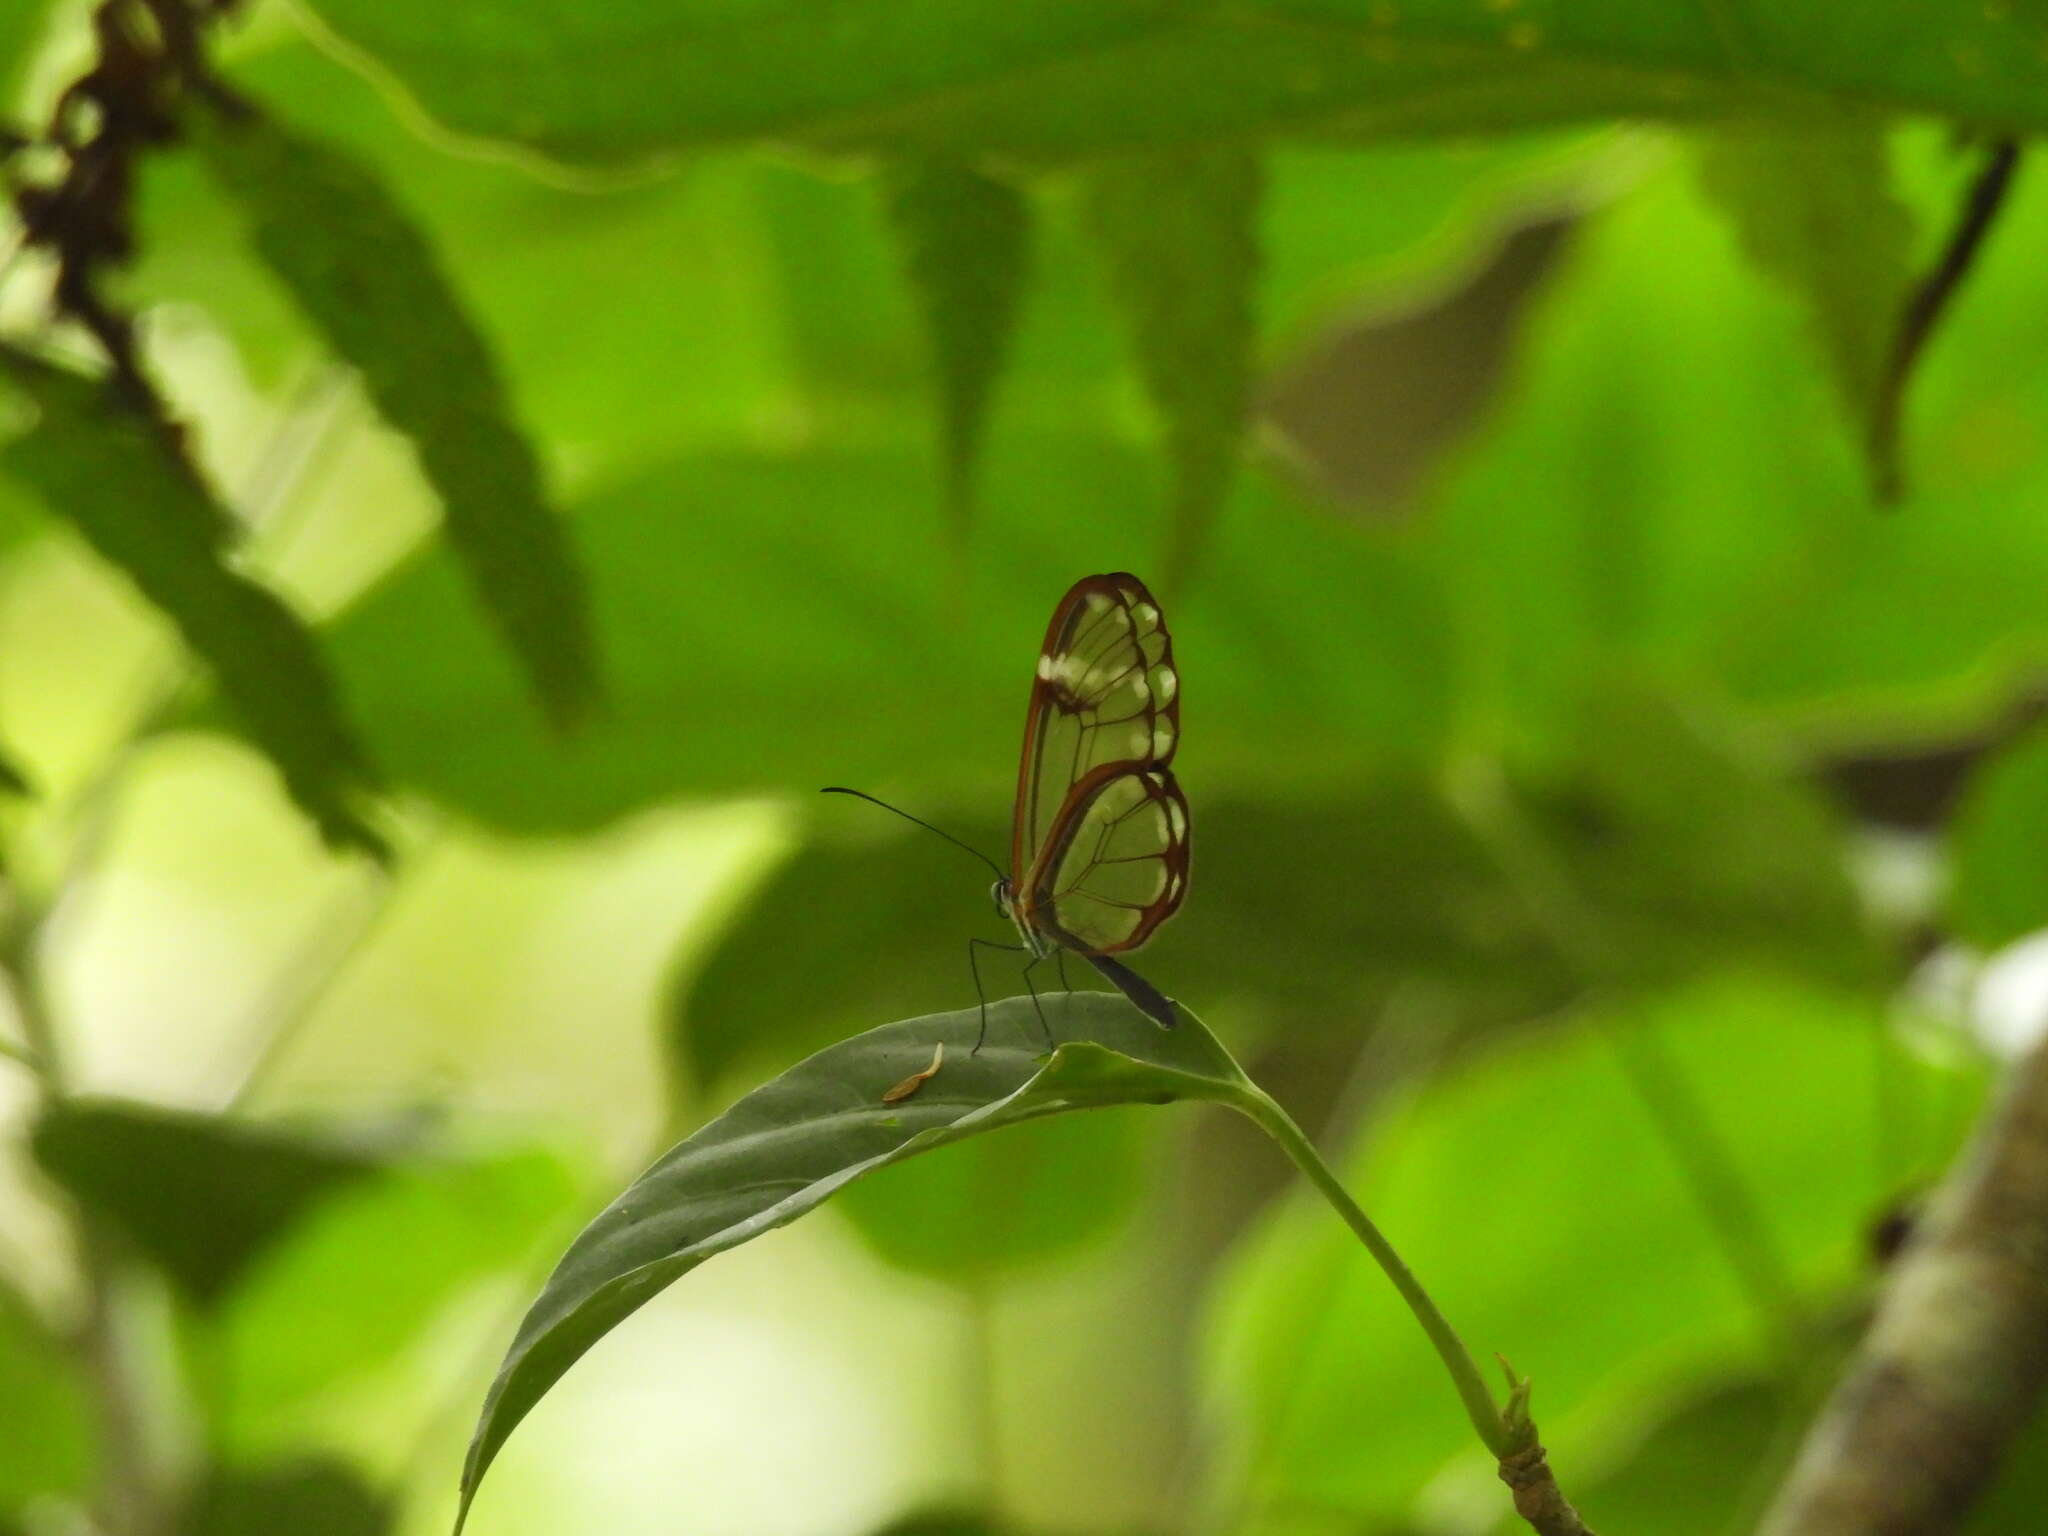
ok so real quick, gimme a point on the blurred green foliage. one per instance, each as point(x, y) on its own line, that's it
point(1535, 1147)
point(746, 383)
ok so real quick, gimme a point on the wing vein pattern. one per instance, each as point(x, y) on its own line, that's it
point(1099, 856)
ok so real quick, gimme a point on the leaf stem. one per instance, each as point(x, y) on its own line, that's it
point(1260, 1107)
point(312, 974)
point(1509, 1432)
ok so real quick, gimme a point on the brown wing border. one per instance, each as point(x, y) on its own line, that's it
point(1127, 590)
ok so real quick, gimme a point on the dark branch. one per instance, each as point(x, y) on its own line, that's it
point(125, 105)
point(1924, 309)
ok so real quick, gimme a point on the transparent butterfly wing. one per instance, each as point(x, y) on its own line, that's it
point(1099, 851)
point(1117, 866)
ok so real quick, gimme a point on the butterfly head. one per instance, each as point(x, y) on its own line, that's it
point(999, 893)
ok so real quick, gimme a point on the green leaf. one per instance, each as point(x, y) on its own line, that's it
point(989, 1208)
point(313, 1496)
point(1815, 207)
point(103, 470)
point(789, 1145)
point(741, 73)
point(49, 1426)
point(357, 1278)
point(966, 248)
point(642, 78)
point(373, 288)
point(1179, 235)
point(1535, 1194)
point(1998, 888)
point(200, 1196)
point(12, 781)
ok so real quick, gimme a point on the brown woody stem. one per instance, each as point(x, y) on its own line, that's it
point(1956, 1360)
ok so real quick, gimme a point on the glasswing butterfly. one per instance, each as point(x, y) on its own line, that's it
point(1099, 838)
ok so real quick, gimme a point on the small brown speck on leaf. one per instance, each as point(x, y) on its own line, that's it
point(916, 1080)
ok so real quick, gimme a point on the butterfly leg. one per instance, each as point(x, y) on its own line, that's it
point(974, 970)
point(1050, 1043)
point(1059, 960)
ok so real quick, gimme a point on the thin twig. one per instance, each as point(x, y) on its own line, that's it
point(1485, 1415)
point(1924, 309)
point(1718, 1186)
point(1957, 1358)
point(311, 975)
point(20, 1054)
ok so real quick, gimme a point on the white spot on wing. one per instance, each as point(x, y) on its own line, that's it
point(1045, 667)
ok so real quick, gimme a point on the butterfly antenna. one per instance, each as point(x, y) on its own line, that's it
point(835, 789)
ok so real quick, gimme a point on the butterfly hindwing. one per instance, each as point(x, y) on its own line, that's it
point(1118, 863)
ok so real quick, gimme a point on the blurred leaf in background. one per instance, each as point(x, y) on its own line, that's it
point(1075, 78)
point(431, 1229)
point(310, 1259)
point(95, 463)
point(385, 308)
point(1815, 206)
point(317, 1497)
point(1504, 1179)
point(1178, 235)
point(200, 1197)
point(966, 241)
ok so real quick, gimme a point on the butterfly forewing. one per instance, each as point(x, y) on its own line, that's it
point(1101, 839)
point(1106, 692)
